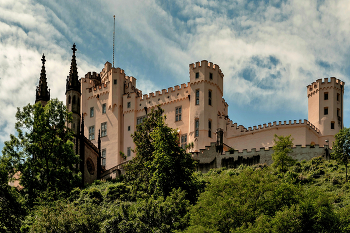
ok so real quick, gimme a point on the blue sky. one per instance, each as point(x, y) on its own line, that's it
point(269, 51)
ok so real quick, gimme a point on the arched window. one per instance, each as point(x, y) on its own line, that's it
point(69, 99)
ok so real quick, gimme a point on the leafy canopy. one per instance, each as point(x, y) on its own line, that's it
point(283, 146)
point(42, 152)
point(341, 147)
point(160, 164)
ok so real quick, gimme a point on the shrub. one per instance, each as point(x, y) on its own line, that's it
point(117, 191)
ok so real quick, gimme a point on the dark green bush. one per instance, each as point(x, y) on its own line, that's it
point(117, 191)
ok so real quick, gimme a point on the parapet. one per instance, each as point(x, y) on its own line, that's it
point(320, 84)
point(205, 63)
point(242, 129)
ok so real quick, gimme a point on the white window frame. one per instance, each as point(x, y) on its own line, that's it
point(178, 113)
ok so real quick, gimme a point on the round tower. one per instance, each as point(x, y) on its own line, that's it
point(325, 107)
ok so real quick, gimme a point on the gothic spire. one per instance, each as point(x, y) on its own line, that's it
point(42, 91)
point(73, 80)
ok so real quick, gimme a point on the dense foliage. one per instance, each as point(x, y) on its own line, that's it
point(160, 165)
point(341, 148)
point(161, 193)
point(282, 146)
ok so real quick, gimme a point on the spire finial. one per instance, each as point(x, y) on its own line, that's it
point(43, 59)
point(74, 48)
point(42, 91)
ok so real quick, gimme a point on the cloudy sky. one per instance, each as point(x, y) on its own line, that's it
point(269, 51)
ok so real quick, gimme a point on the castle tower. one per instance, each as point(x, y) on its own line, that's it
point(73, 94)
point(206, 103)
point(325, 107)
point(42, 91)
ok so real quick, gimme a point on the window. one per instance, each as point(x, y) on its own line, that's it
point(338, 112)
point(209, 128)
point(326, 96)
point(196, 124)
point(325, 111)
point(115, 82)
point(197, 75)
point(332, 125)
point(209, 97)
point(103, 158)
point(129, 104)
point(92, 112)
point(128, 153)
point(184, 141)
point(197, 97)
point(178, 113)
point(103, 108)
point(139, 120)
point(91, 132)
point(338, 96)
point(129, 128)
point(211, 76)
point(104, 129)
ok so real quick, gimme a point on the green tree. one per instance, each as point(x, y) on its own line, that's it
point(11, 210)
point(42, 152)
point(160, 165)
point(341, 148)
point(283, 146)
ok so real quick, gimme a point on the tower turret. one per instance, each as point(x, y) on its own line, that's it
point(325, 107)
point(73, 95)
point(42, 91)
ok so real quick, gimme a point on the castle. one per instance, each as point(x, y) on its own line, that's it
point(107, 106)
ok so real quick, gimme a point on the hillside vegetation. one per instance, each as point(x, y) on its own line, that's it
point(311, 196)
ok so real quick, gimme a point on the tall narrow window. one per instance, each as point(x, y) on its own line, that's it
point(209, 97)
point(332, 125)
point(103, 158)
point(325, 111)
point(196, 124)
point(184, 141)
point(104, 129)
point(326, 96)
point(129, 128)
point(140, 119)
point(103, 108)
point(211, 76)
point(128, 153)
point(209, 128)
point(92, 112)
point(129, 104)
point(178, 113)
point(115, 81)
point(197, 97)
point(338, 96)
point(197, 75)
point(91, 132)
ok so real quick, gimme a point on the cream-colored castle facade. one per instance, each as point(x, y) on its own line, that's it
point(107, 106)
point(112, 103)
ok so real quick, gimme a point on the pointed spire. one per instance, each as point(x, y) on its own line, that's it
point(42, 91)
point(73, 79)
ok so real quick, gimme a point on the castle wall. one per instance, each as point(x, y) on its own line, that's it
point(208, 158)
point(90, 163)
point(241, 138)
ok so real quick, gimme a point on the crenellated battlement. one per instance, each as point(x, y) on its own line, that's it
point(324, 84)
point(170, 91)
point(270, 125)
point(205, 63)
